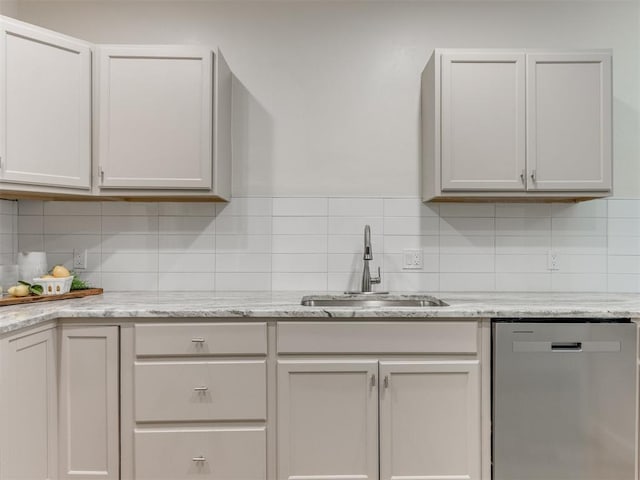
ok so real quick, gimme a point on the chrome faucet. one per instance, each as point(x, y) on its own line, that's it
point(367, 280)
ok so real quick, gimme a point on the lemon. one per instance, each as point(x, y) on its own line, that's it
point(19, 291)
point(59, 272)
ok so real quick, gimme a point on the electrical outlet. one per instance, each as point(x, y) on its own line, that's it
point(412, 259)
point(79, 259)
point(553, 260)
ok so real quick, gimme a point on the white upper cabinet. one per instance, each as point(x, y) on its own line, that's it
point(569, 121)
point(159, 114)
point(516, 124)
point(483, 131)
point(45, 108)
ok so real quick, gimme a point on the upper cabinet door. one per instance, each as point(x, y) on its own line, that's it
point(155, 118)
point(569, 121)
point(45, 107)
point(483, 130)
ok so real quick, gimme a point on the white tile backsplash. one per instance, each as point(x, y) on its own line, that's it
point(594, 208)
point(623, 208)
point(356, 207)
point(181, 282)
point(299, 226)
point(411, 226)
point(130, 224)
point(354, 225)
point(467, 226)
point(228, 281)
point(408, 207)
point(243, 225)
point(309, 207)
point(243, 262)
point(180, 225)
point(264, 243)
point(487, 210)
point(72, 208)
point(186, 262)
point(8, 232)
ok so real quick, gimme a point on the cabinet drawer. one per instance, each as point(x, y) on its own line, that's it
point(200, 391)
point(378, 337)
point(194, 339)
point(212, 454)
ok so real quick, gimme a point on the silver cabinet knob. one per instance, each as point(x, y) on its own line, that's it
point(200, 389)
point(197, 340)
point(199, 459)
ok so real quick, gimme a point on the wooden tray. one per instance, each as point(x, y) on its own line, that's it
point(48, 298)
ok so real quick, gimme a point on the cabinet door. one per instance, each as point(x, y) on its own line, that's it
point(155, 117)
point(569, 122)
point(429, 420)
point(89, 402)
point(29, 407)
point(45, 107)
point(327, 420)
point(483, 130)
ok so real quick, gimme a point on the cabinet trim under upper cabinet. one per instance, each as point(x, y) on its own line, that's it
point(516, 124)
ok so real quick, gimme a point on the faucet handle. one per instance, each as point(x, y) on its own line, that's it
point(377, 279)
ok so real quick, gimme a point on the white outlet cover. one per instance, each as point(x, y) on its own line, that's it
point(412, 259)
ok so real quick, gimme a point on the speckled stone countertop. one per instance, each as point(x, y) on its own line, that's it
point(286, 305)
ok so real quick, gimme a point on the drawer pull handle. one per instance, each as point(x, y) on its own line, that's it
point(201, 389)
point(197, 340)
point(199, 459)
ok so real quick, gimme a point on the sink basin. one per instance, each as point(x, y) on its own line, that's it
point(372, 300)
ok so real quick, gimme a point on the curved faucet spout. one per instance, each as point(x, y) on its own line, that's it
point(367, 280)
point(368, 253)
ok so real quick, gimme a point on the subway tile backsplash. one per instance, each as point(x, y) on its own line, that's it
point(290, 243)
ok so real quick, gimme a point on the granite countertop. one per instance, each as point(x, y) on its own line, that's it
point(286, 305)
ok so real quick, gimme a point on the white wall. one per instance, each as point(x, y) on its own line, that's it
point(327, 93)
point(9, 8)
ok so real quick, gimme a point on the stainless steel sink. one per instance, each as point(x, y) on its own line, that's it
point(372, 300)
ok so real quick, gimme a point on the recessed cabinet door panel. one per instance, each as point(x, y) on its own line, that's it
point(45, 108)
point(429, 420)
point(89, 402)
point(155, 117)
point(569, 122)
point(29, 407)
point(483, 131)
point(327, 420)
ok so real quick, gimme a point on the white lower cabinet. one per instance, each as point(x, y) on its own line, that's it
point(89, 402)
point(195, 401)
point(328, 419)
point(207, 453)
point(408, 407)
point(28, 388)
point(429, 420)
point(429, 414)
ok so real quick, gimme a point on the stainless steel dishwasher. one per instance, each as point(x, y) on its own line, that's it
point(564, 399)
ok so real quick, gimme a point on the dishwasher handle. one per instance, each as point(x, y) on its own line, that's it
point(566, 346)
